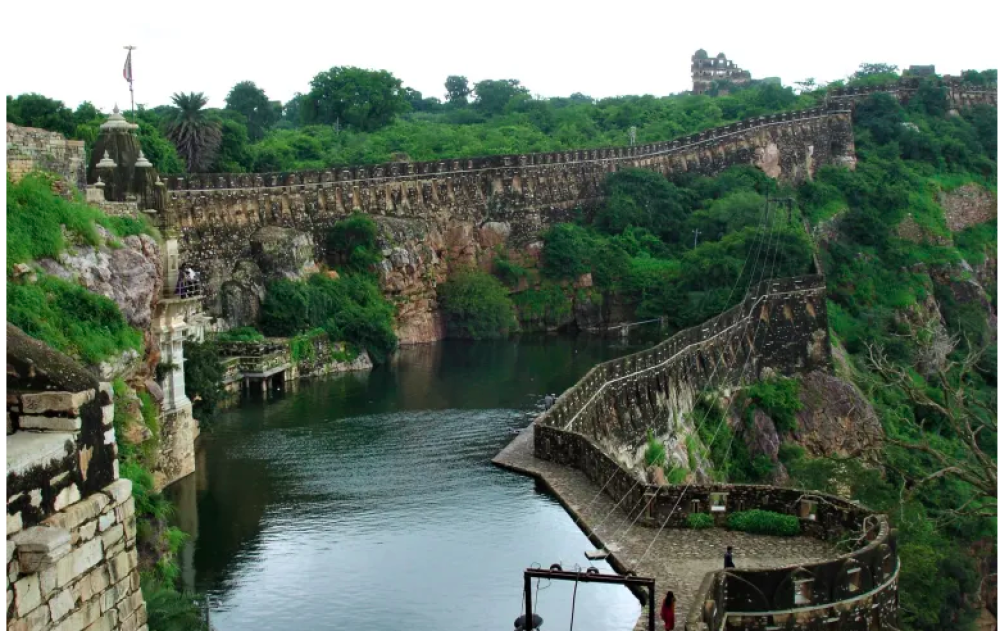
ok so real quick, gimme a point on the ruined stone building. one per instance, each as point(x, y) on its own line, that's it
point(705, 70)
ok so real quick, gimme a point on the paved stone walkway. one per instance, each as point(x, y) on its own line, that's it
point(680, 558)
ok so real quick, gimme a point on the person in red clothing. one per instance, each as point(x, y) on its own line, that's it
point(667, 612)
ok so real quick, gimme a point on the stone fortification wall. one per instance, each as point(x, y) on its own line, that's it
point(780, 325)
point(960, 95)
point(71, 548)
point(30, 149)
point(451, 203)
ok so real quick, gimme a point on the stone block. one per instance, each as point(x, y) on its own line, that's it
point(87, 531)
point(38, 619)
point(14, 498)
point(48, 579)
point(80, 619)
point(129, 623)
point(40, 546)
point(67, 496)
point(119, 490)
point(11, 546)
point(10, 598)
point(107, 622)
point(115, 549)
point(13, 570)
point(110, 597)
point(35, 497)
point(36, 402)
point(61, 604)
point(140, 611)
point(87, 556)
point(120, 566)
point(84, 510)
point(51, 423)
point(115, 474)
point(14, 523)
point(57, 480)
point(113, 535)
point(27, 594)
point(109, 436)
point(108, 414)
point(105, 521)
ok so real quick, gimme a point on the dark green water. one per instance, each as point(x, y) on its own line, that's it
point(369, 501)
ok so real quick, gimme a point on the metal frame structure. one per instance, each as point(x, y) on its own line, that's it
point(590, 575)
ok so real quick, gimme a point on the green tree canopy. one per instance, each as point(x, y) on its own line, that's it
point(457, 90)
point(35, 110)
point(252, 102)
point(492, 96)
point(365, 100)
point(196, 136)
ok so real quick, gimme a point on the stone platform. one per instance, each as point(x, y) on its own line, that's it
point(679, 559)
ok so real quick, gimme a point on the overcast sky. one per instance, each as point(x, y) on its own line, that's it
point(72, 50)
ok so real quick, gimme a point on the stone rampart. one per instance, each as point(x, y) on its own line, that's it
point(30, 149)
point(71, 550)
point(960, 95)
point(780, 326)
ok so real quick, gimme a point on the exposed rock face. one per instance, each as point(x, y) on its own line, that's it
point(242, 293)
point(283, 253)
point(968, 205)
point(961, 283)
point(129, 275)
point(837, 420)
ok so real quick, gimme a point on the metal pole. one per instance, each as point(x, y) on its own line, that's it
point(652, 607)
point(527, 603)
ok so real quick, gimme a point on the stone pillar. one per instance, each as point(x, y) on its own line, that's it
point(178, 428)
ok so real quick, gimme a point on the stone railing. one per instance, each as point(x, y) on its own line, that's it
point(698, 357)
point(858, 589)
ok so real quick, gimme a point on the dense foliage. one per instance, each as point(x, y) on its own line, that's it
point(476, 306)
point(763, 522)
point(351, 308)
point(656, 453)
point(41, 224)
point(352, 243)
point(778, 397)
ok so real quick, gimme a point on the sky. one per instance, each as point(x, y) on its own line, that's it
point(553, 48)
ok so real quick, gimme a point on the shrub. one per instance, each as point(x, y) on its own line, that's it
point(241, 334)
point(699, 521)
point(656, 453)
point(779, 398)
point(352, 242)
point(202, 375)
point(476, 306)
point(351, 308)
point(763, 522)
point(71, 319)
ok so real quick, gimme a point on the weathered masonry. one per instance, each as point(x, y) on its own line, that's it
point(781, 326)
point(71, 528)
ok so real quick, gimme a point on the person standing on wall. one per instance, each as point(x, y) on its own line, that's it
point(667, 612)
point(728, 563)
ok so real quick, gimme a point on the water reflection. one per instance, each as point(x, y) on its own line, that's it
point(368, 500)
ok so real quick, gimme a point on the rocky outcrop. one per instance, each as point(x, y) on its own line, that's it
point(968, 205)
point(836, 420)
point(283, 253)
point(129, 274)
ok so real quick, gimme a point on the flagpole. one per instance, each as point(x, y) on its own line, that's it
point(130, 92)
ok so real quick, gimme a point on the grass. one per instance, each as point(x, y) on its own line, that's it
point(40, 224)
point(974, 242)
point(71, 319)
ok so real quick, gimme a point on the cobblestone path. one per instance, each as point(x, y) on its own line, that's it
point(680, 558)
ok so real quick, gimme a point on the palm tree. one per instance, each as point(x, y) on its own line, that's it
point(196, 137)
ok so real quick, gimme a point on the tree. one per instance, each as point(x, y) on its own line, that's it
point(492, 97)
point(365, 100)
point(250, 101)
point(292, 112)
point(196, 137)
point(35, 110)
point(458, 91)
point(234, 153)
point(970, 421)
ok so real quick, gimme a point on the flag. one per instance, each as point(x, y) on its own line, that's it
point(127, 71)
